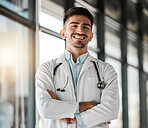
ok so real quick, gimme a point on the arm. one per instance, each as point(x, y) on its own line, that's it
point(46, 105)
point(65, 120)
point(109, 105)
point(83, 106)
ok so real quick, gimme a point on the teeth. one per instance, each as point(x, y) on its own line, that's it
point(79, 37)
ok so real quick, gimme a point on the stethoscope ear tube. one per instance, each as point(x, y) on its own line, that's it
point(54, 71)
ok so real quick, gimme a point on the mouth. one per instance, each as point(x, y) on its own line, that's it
point(79, 37)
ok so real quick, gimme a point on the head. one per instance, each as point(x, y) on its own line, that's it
point(77, 30)
point(78, 11)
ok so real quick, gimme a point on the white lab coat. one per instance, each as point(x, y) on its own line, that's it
point(51, 109)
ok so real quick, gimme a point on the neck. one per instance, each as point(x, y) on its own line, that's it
point(76, 53)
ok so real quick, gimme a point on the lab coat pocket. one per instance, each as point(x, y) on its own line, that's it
point(91, 91)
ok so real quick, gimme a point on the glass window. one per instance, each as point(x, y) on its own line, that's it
point(147, 97)
point(50, 22)
point(145, 19)
point(51, 14)
point(93, 42)
point(112, 42)
point(53, 7)
point(132, 19)
point(145, 56)
point(20, 7)
point(133, 97)
point(113, 9)
point(132, 52)
point(50, 47)
point(14, 73)
point(117, 66)
point(93, 3)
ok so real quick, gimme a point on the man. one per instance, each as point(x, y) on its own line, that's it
point(67, 91)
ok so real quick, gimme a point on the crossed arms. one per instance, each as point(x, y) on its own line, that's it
point(83, 106)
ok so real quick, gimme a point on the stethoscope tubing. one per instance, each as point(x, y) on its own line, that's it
point(100, 84)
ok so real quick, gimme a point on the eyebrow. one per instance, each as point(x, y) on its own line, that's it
point(82, 24)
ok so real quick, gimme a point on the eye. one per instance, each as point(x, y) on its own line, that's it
point(85, 27)
point(74, 26)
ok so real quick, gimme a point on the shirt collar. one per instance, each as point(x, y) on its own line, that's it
point(81, 58)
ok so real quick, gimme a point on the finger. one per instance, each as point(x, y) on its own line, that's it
point(109, 122)
point(73, 120)
point(68, 120)
point(63, 120)
point(51, 94)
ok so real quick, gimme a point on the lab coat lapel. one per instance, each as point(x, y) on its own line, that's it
point(65, 68)
point(87, 63)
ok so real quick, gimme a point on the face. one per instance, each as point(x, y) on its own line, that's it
point(77, 32)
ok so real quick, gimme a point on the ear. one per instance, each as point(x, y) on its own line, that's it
point(62, 33)
point(91, 36)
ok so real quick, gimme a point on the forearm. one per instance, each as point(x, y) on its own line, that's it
point(83, 106)
point(102, 113)
point(54, 109)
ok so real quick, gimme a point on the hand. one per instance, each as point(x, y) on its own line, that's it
point(68, 120)
point(51, 93)
point(109, 122)
point(64, 120)
point(83, 106)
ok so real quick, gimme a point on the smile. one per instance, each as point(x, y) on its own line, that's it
point(79, 37)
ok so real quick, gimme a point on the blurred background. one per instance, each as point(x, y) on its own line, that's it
point(29, 36)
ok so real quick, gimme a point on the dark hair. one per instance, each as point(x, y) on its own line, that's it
point(78, 11)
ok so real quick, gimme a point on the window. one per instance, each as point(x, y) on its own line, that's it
point(133, 97)
point(132, 53)
point(147, 97)
point(112, 39)
point(145, 56)
point(113, 9)
point(14, 72)
point(50, 47)
point(50, 22)
point(21, 7)
point(132, 19)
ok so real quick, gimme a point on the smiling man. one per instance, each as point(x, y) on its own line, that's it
point(77, 90)
point(77, 32)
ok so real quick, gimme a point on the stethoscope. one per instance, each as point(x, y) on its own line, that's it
point(100, 85)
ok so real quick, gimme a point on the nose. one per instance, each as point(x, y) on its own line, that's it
point(80, 30)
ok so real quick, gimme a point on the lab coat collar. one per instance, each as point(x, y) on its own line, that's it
point(65, 65)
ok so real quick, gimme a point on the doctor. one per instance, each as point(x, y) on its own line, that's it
point(67, 91)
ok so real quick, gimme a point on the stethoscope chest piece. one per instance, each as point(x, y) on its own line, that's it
point(61, 90)
point(101, 85)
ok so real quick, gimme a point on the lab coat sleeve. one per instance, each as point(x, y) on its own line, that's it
point(108, 109)
point(48, 107)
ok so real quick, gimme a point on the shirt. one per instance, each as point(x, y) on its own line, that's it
point(75, 71)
